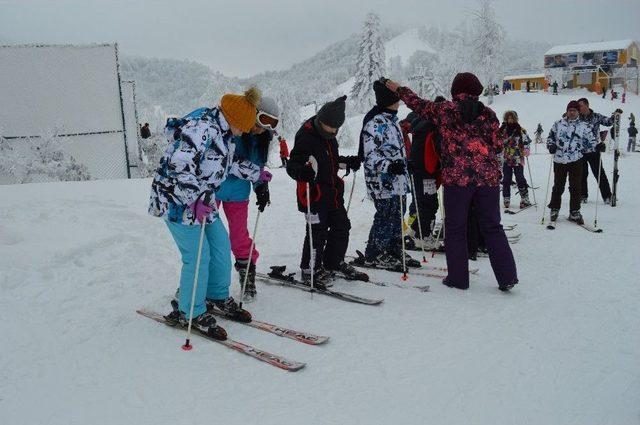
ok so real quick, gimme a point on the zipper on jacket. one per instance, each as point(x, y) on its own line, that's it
point(333, 172)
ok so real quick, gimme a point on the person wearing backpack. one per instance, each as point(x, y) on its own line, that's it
point(197, 160)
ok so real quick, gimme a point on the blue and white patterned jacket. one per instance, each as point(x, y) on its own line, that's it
point(594, 120)
point(383, 144)
point(195, 163)
point(572, 139)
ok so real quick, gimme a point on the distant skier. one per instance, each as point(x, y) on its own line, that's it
point(567, 140)
point(604, 92)
point(251, 151)
point(284, 151)
point(538, 133)
point(528, 86)
point(516, 143)
point(555, 87)
point(382, 150)
point(196, 162)
point(470, 173)
point(591, 157)
point(633, 132)
point(315, 160)
point(145, 132)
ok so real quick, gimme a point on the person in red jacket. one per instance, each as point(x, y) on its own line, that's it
point(470, 173)
point(284, 151)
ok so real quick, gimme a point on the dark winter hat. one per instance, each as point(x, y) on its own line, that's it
point(332, 113)
point(573, 105)
point(584, 100)
point(466, 82)
point(384, 96)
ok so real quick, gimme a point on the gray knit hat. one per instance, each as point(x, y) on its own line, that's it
point(332, 113)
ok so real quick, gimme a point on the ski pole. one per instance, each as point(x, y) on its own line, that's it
point(253, 244)
point(311, 252)
point(187, 344)
point(546, 196)
point(404, 261)
point(435, 246)
point(353, 185)
point(415, 200)
point(595, 220)
point(533, 191)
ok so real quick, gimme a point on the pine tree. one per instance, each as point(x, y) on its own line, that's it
point(488, 44)
point(370, 65)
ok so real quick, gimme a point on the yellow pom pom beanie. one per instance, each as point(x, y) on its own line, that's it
point(240, 109)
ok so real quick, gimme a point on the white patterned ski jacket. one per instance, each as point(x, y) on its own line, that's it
point(594, 120)
point(572, 139)
point(194, 164)
point(382, 144)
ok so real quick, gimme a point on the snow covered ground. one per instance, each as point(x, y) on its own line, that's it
point(77, 259)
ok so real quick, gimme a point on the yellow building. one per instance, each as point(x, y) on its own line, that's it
point(519, 82)
point(596, 65)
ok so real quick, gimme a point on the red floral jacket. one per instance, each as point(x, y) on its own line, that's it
point(469, 153)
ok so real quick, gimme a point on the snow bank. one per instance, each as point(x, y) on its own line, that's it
point(405, 45)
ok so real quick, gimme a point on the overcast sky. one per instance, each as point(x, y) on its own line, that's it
point(244, 37)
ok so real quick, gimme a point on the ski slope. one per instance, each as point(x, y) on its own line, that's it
point(77, 260)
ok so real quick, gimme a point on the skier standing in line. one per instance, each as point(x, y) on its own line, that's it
point(425, 169)
point(382, 151)
point(251, 150)
point(516, 148)
point(591, 157)
point(567, 140)
point(633, 132)
point(314, 163)
point(555, 87)
point(470, 173)
point(191, 170)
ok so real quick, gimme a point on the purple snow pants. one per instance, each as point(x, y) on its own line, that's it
point(487, 204)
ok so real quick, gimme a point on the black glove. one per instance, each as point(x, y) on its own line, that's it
point(552, 149)
point(352, 163)
point(601, 147)
point(397, 167)
point(262, 196)
point(306, 174)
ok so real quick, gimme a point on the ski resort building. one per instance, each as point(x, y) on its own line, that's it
point(519, 82)
point(595, 66)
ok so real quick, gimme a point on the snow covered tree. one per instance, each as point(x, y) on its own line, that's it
point(488, 44)
point(39, 159)
point(370, 64)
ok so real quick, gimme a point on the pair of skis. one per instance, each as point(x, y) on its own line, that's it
point(264, 356)
point(514, 212)
point(279, 276)
point(592, 229)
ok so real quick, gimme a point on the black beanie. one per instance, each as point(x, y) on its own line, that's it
point(332, 113)
point(384, 96)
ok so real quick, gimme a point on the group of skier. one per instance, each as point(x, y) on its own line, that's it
point(216, 156)
point(576, 142)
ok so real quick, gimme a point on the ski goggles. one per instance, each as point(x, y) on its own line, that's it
point(267, 121)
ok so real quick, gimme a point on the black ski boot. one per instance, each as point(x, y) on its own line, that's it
point(506, 288)
point(553, 216)
point(576, 217)
point(322, 278)
point(410, 261)
point(250, 291)
point(204, 323)
point(229, 309)
point(348, 272)
point(446, 282)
